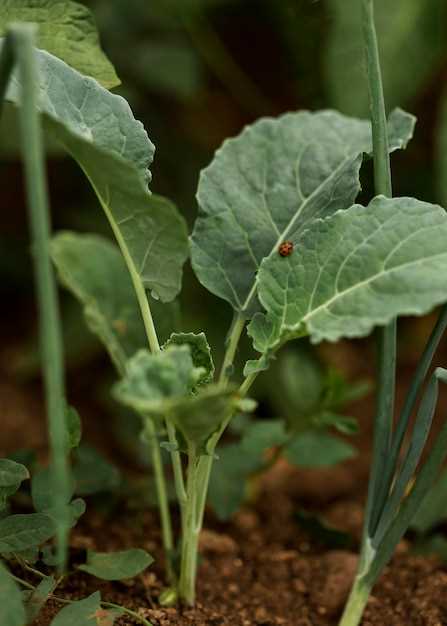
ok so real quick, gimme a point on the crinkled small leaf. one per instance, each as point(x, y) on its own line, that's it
point(360, 268)
point(93, 268)
point(200, 353)
point(20, 532)
point(98, 129)
point(152, 380)
point(38, 598)
point(314, 449)
point(80, 613)
point(117, 565)
point(266, 185)
point(93, 473)
point(12, 610)
point(67, 29)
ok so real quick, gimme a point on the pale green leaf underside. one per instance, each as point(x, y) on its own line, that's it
point(93, 269)
point(66, 29)
point(117, 565)
point(267, 184)
point(12, 610)
point(358, 269)
point(412, 45)
point(98, 129)
point(200, 352)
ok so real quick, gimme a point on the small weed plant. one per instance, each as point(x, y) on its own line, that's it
point(278, 238)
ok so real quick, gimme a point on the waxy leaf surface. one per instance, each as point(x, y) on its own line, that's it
point(93, 269)
point(358, 269)
point(265, 186)
point(66, 29)
point(117, 565)
point(98, 129)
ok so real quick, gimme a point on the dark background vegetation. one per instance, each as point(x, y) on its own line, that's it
point(195, 72)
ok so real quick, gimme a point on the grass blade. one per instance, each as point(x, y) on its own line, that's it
point(49, 319)
point(418, 440)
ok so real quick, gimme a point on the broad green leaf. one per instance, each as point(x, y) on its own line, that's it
point(12, 610)
point(92, 473)
point(322, 533)
point(343, 423)
point(12, 474)
point(412, 35)
point(161, 385)
point(200, 353)
point(98, 129)
point(266, 185)
point(66, 29)
point(81, 613)
point(20, 532)
point(117, 565)
point(360, 268)
point(314, 449)
point(39, 597)
point(93, 268)
point(433, 510)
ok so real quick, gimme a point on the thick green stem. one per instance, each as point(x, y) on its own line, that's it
point(49, 318)
point(162, 497)
point(191, 533)
point(356, 604)
point(154, 346)
point(230, 353)
point(387, 335)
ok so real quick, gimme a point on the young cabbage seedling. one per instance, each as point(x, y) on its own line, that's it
point(278, 237)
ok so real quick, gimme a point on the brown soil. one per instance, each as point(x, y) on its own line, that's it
point(261, 568)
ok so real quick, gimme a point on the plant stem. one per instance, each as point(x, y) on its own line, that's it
point(49, 318)
point(154, 346)
point(162, 497)
point(387, 335)
point(190, 536)
point(230, 353)
point(6, 66)
point(356, 604)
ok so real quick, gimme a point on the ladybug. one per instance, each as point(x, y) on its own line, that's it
point(285, 248)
